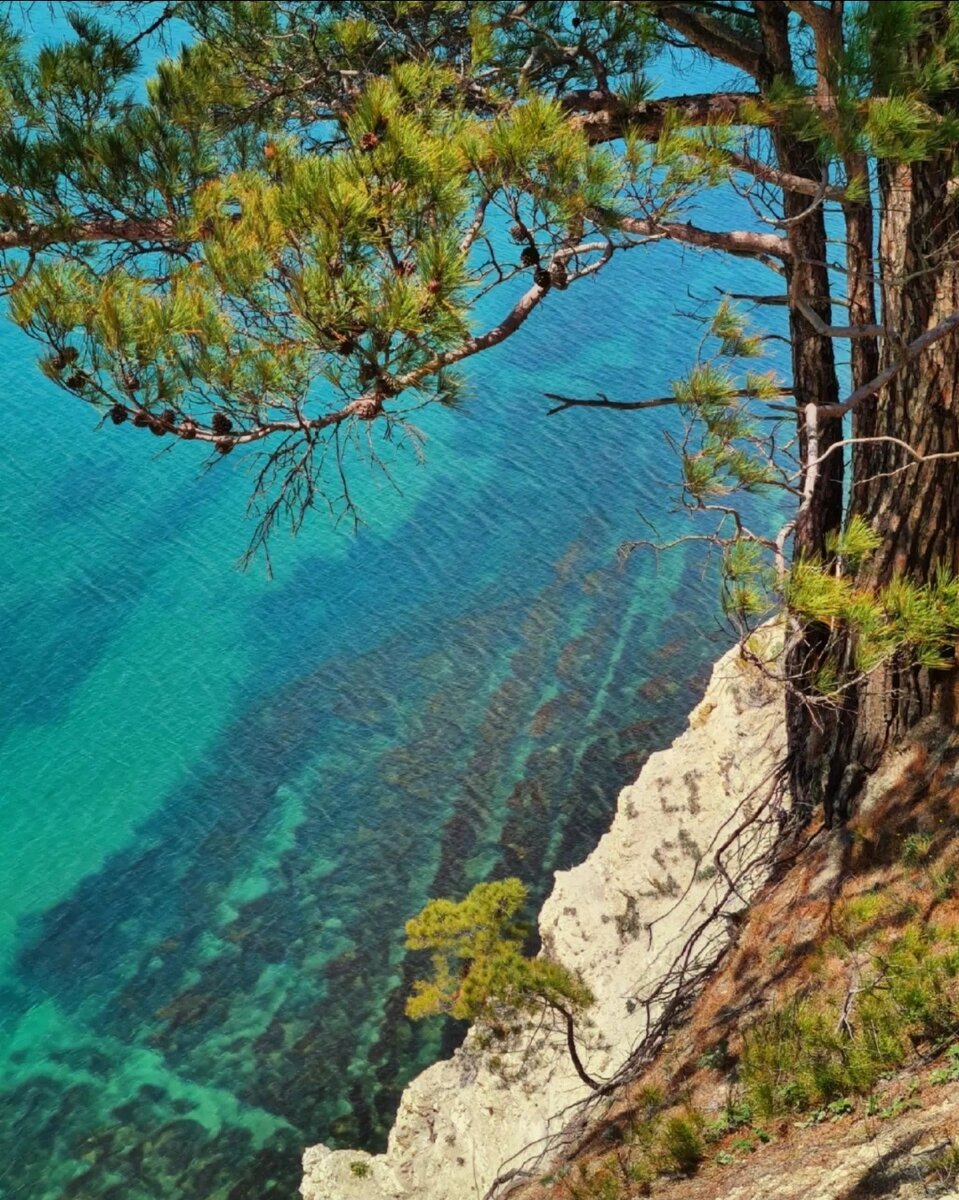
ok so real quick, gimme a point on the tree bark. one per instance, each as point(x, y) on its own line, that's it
point(913, 505)
point(815, 383)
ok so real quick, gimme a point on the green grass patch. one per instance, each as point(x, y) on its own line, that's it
point(807, 1056)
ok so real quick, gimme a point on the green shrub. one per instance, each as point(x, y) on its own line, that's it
point(915, 848)
point(681, 1144)
point(802, 1056)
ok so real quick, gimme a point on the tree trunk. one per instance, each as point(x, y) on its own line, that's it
point(914, 506)
point(814, 382)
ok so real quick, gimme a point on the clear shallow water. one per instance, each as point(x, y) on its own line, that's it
point(221, 795)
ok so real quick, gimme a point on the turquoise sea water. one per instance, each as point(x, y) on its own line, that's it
point(221, 795)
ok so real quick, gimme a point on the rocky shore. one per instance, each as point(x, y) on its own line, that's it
point(620, 918)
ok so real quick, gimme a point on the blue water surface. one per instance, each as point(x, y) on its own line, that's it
point(222, 794)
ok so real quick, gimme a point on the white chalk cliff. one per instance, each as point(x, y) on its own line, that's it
point(619, 919)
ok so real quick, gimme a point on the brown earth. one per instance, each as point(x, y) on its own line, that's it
point(838, 901)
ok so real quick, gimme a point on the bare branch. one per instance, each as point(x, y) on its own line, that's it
point(603, 117)
point(711, 36)
point(603, 401)
point(472, 232)
point(910, 353)
point(743, 243)
point(836, 331)
point(817, 200)
point(913, 453)
point(778, 299)
point(811, 422)
point(106, 229)
point(810, 12)
point(782, 179)
point(499, 333)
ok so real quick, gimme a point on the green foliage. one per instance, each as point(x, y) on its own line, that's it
point(715, 1057)
point(735, 1115)
point(921, 619)
point(915, 848)
point(855, 919)
point(478, 964)
point(306, 193)
point(950, 1072)
point(723, 452)
point(801, 1057)
point(944, 1165)
point(748, 580)
point(682, 1144)
point(854, 543)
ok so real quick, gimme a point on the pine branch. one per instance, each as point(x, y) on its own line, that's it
point(743, 243)
point(836, 331)
point(603, 117)
point(104, 229)
point(911, 352)
point(785, 180)
point(712, 37)
point(916, 455)
point(516, 317)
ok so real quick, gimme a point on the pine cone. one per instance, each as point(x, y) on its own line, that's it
point(224, 445)
point(345, 347)
point(369, 141)
point(157, 427)
point(387, 385)
point(76, 381)
point(406, 268)
point(187, 429)
point(169, 418)
point(434, 286)
point(66, 356)
point(141, 419)
point(336, 267)
point(518, 232)
point(529, 257)
point(221, 423)
point(118, 414)
point(541, 278)
point(559, 276)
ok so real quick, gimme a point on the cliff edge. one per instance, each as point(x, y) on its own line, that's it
point(648, 897)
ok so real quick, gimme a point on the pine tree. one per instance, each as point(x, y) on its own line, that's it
point(281, 247)
point(480, 973)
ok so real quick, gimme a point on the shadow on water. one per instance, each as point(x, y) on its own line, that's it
point(238, 971)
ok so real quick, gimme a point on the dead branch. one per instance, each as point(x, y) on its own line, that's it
point(836, 331)
point(603, 401)
point(910, 353)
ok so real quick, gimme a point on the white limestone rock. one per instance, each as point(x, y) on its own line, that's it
point(619, 919)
